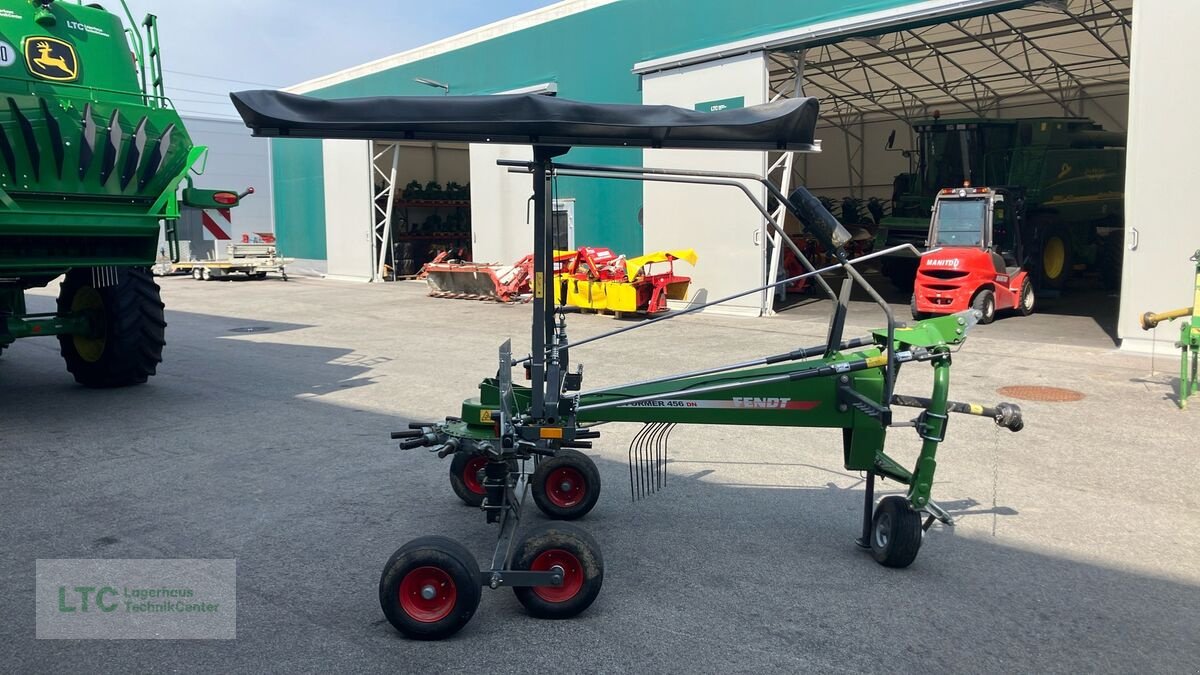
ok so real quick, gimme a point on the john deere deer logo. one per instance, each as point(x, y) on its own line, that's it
point(51, 59)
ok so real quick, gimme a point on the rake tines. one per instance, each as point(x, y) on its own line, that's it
point(647, 459)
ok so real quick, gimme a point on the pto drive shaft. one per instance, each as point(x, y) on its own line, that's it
point(1007, 415)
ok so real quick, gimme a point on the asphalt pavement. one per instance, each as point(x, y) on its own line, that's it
point(264, 438)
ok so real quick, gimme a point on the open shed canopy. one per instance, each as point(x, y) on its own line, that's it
point(1056, 52)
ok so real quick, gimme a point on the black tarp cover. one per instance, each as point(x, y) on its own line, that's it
point(530, 119)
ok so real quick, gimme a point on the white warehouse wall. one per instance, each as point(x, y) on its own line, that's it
point(1163, 147)
point(719, 222)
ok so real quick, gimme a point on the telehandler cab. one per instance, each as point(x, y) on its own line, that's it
point(977, 234)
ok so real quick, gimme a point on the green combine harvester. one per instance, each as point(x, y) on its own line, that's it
point(92, 155)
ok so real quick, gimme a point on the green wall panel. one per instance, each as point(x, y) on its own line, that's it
point(590, 56)
point(297, 176)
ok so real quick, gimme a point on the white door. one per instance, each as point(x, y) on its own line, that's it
point(349, 242)
point(719, 222)
point(500, 231)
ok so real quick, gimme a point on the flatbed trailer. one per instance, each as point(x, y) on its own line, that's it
point(254, 261)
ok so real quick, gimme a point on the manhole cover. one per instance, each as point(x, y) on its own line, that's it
point(250, 329)
point(1037, 393)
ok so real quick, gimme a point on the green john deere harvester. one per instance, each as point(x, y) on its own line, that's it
point(92, 154)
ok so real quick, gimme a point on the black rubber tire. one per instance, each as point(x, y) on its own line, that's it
point(458, 468)
point(446, 555)
point(579, 544)
point(1110, 259)
point(1060, 281)
point(895, 532)
point(912, 305)
point(985, 303)
point(554, 503)
point(1027, 300)
point(458, 482)
point(131, 323)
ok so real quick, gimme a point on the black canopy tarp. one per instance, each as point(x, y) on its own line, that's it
point(530, 119)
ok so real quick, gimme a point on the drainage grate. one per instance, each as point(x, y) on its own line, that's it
point(1038, 393)
point(250, 329)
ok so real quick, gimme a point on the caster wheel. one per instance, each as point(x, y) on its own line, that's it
point(567, 485)
point(466, 478)
point(574, 552)
point(430, 588)
point(895, 532)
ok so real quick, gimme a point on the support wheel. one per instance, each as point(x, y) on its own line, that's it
point(128, 328)
point(985, 304)
point(567, 485)
point(895, 532)
point(430, 588)
point(1025, 302)
point(465, 477)
point(571, 550)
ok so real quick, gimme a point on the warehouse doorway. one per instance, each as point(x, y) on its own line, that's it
point(976, 63)
point(421, 206)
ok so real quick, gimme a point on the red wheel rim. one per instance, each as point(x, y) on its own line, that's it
point(572, 573)
point(471, 474)
point(427, 594)
point(566, 487)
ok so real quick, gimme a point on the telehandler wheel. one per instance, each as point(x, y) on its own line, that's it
point(895, 532)
point(985, 304)
point(1025, 302)
point(567, 485)
point(912, 305)
point(430, 588)
point(129, 328)
point(465, 477)
point(571, 550)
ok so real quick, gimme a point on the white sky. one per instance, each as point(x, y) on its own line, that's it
point(242, 44)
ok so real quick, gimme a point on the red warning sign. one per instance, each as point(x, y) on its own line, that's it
point(218, 223)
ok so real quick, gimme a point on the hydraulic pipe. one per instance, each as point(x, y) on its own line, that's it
point(827, 370)
point(1150, 319)
point(802, 353)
